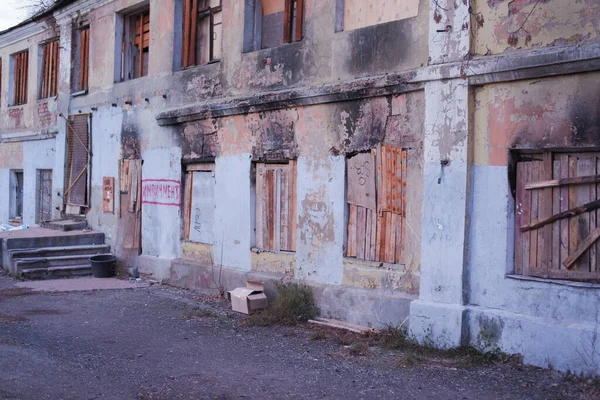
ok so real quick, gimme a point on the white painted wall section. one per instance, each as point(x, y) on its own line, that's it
point(233, 227)
point(321, 223)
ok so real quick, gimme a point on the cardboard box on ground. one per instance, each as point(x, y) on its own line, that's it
point(248, 299)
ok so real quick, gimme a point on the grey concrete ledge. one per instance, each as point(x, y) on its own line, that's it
point(511, 66)
point(584, 285)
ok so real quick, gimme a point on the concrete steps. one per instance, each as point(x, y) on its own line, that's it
point(65, 225)
point(70, 271)
point(55, 256)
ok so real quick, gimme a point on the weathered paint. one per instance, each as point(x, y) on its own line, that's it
point(557, 112)
point(275, 262)
point(200, 252)
point(503, 25)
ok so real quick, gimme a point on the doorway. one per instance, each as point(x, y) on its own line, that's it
point(43, 208)
point(16, 196)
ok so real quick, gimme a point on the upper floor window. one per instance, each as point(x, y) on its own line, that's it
point(270, 23)
point(134, 31)
point(80, 61)
point(49, 69)
point(19, 73)
point(202, 32)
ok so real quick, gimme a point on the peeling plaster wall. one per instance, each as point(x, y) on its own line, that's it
point(319, 137)
point(549, 113)
point(504, 25)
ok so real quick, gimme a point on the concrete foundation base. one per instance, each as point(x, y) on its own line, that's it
point(548, 343)
point(368, 307)
point(437, 324)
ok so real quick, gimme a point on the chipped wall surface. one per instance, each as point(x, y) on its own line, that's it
point(504, 25)
point(280, 262)
point(360, 13)
point(557, 112)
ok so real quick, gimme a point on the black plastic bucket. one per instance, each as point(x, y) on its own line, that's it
point(103, 266)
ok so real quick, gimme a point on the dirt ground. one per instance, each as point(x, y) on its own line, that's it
point(165, 343)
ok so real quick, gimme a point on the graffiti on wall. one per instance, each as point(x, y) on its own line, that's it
point(164, 192)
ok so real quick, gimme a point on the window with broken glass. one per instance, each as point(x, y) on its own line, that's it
point(49, 69)
point(20, 73)
point(202, 32)
point(270, 23)
point(80, 60)
point(557, 214)
point(135, 45)
point(376, 198)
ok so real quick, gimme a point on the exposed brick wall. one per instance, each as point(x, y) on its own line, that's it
point(16, 117)
point(47, 117)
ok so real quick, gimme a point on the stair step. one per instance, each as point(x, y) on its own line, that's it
point(56, 272)
point(59, 251)
point(49, 262)
point(65, 225)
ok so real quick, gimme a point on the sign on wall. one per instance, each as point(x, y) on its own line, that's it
point(164, 192)
point(108, 194)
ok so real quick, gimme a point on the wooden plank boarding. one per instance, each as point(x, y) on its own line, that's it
point(259, 219)
point(545, 211)
point(581, 249)
point(361, 220)
point(564, 206)
point(578, 180)
point(573, 212)
point(521, 206)
point(555, 241)
point(533, 239)
point(351, 241)
point(293, 199)
point(361, 183)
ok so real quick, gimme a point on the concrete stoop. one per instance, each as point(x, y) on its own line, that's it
point(52, 256)
point(368, 307)
point(65, 225)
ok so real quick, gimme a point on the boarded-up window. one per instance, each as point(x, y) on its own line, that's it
point(376, 183)
point(270, 23)
point(49, 69)
point(199, 203)
point(276, 206)
point(78, 161)
point(81, 59)
point(20, 72)
point(202, 32)
point(558, 215)
point(135, 47)
point(130, 203)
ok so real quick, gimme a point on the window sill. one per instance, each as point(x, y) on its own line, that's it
point(352, 261)
point(584, 285)
point(79, 93)
point(258, 251)
point(16, 105)
point(47, 98)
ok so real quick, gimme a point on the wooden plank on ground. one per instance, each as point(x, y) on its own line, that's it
point(351, 239)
